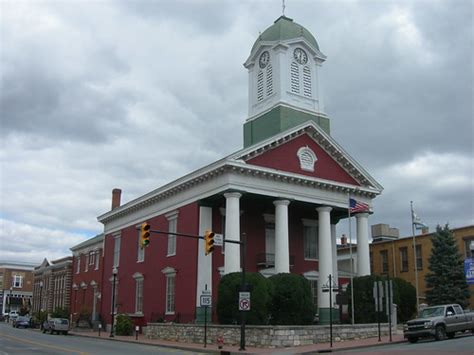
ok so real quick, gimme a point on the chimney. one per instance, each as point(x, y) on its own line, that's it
point(343, 240)
point(116, 194)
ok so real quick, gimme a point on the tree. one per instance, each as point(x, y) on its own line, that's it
point(446, 281)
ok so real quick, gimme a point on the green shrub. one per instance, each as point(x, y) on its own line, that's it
point(228, 299)
point(291, 301)
point(123, 325)
point(405, 299)
point(60, 312)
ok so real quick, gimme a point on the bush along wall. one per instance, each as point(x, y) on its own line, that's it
point(228, 298)
point(291, 300)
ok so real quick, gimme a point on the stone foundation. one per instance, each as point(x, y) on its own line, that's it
point(262, 336)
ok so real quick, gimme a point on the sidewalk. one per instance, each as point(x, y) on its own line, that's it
point(212, 348)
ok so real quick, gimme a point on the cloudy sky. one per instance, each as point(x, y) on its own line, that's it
point(134, 94)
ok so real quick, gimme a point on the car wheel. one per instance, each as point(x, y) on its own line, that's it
point(450, 335)
point(440, 332)
point(413, 340)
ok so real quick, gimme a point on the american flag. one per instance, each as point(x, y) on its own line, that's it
point(356, 206)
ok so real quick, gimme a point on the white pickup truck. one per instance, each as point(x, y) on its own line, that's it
point(439, 322)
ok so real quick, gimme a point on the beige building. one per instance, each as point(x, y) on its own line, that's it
point(16, 286)
point(52, 285)
point(392, 255)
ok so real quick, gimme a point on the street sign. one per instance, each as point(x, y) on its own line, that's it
point(206, 300)
point(218, 239)
point(244, 301)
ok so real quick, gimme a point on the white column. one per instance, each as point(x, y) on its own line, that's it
point(335, 276)
point(325, 253)
point(204, 267)
point(282, 247)
point(232, 232)
point(363, 254)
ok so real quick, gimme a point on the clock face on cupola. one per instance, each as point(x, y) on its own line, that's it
point(284, 88)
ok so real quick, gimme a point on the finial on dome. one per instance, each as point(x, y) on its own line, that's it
point(283, 7)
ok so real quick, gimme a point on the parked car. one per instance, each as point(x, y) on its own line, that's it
point(439, 322)
point(13, 315)
point(21, 322)
point(58, 325)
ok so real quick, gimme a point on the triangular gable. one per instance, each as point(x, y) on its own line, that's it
point(289, 151)
point(296, 156)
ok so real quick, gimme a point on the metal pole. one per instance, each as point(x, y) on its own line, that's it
point(330, 308)
point(205, 326)
point(389, 296)
point(243, 288)
point(377, 310)
point(414, 256)
point(352, 267)
point(114, 272)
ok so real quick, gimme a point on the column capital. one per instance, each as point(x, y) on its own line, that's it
point(362, 215)
point(281, 202)
point(232, 194)
point(324, 209)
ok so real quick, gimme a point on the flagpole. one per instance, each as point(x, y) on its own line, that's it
point(350, 251)
point(414, 255)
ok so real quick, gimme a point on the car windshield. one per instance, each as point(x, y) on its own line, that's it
point(432, 312)
point(63, 321)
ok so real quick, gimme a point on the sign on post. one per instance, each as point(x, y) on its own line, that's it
point(218, 239)
point(244, 301)
point(206, 300)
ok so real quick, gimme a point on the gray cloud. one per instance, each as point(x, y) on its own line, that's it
point(134, 94)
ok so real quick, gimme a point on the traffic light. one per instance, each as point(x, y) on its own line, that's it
point(209, 242)
point(144, 234)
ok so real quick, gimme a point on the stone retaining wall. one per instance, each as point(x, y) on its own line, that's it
point(262, 336)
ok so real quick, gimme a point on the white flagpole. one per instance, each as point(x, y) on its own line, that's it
point(414, 256)
point(350, 252)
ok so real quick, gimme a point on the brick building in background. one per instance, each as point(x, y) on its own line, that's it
point(394, 256)
point(87, 268)
point(52, 285)
point(16, 286)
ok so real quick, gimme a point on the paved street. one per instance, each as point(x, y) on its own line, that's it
point(28, 341)
point(461, 344)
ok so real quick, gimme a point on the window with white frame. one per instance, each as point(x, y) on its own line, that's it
point(116, 250)
point(314, 291)
point(17, 281)
point(138, 292)
point(172, 227)
point(170, 293)
point(97, 257)
point(86, 264)
point(78, 263)
point(92, 256)
point(170, 275)
point(140, 249)
point(310, 234)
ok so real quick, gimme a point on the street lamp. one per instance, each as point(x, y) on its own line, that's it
point(10, 300)
point(114, 273)
point(330, 287)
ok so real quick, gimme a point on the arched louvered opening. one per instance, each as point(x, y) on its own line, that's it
point(260, 86)
point(307, 82)
point(295, 78)
point(269, 79)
